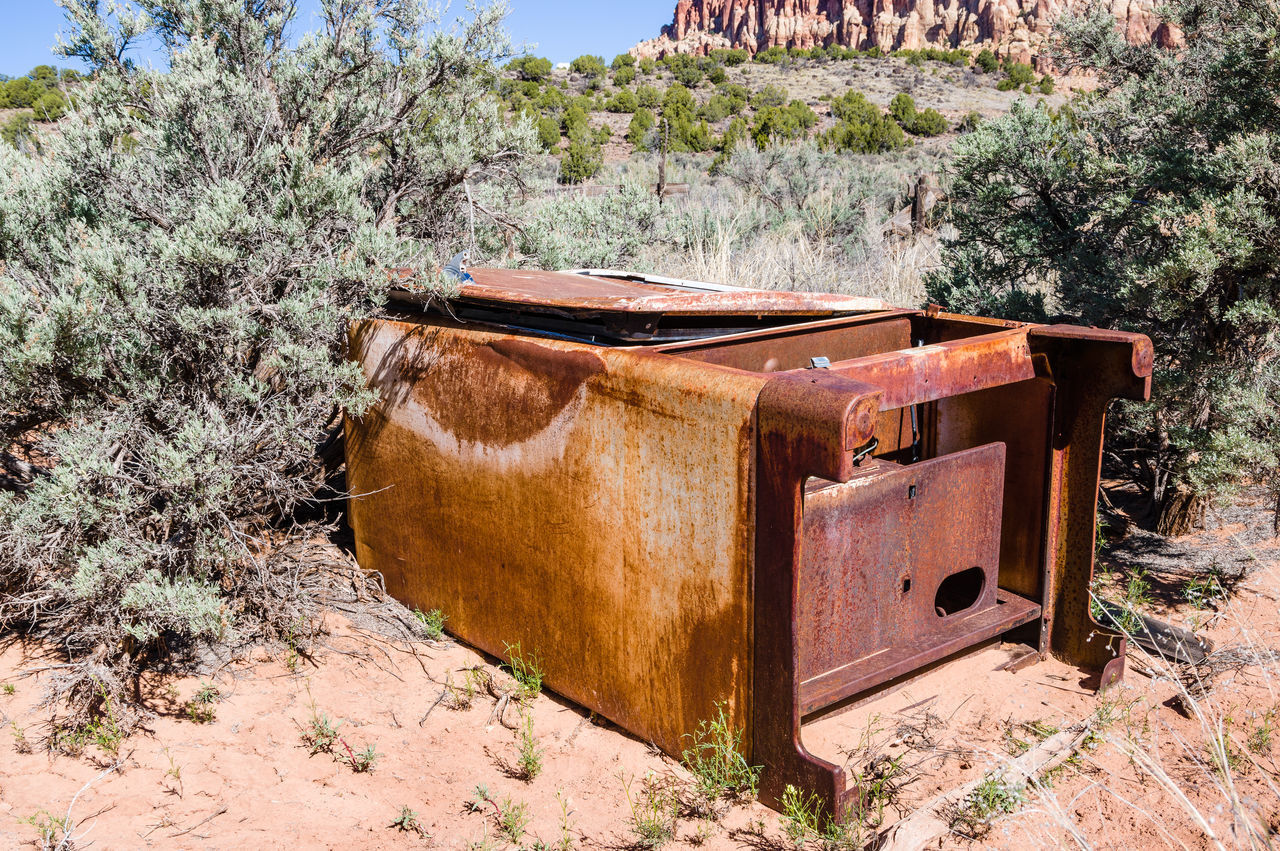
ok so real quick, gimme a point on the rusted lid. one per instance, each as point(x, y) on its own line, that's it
point(637, 307)
point(595, 289)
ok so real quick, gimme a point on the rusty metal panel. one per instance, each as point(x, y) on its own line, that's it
point(1018, 416)
point(592, 504)
point(580, 292)
point(899, 567)
point(927, 373)
point(794, 348)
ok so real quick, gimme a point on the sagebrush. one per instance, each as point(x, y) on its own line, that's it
point(179, 266)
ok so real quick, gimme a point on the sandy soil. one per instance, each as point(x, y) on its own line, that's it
point(245, 778)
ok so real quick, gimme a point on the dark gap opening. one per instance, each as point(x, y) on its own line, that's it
point(959, 591)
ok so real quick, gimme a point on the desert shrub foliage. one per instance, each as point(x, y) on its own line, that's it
point(178, 269)
point(1150, 206)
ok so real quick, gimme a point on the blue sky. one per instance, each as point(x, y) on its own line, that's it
point(562, 30)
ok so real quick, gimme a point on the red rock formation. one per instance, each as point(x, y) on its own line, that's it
point(1018, 29)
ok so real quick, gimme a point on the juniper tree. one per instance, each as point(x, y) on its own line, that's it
point(179, 266)
point(1153, 206)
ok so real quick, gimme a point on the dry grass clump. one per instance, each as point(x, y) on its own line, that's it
point(1199, 740)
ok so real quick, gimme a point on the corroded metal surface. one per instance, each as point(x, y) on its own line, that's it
point(573, 292)
point(671, 526)
point(591, 504)
point(932, 532)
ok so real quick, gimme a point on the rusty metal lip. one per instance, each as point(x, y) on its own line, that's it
point(610, 291)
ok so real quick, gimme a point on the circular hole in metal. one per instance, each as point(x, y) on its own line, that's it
point(959, 591)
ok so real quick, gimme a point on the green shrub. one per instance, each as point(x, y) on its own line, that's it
point(738, 96)
point(1046, 85)
point(684, 69)
point(648, 97)
point(575, 123)
point(861, 128)
point(717, 75)
point(903, 109)
point(986, 61)
point(551, 99)
point(730, 58)
point(17, 131)
point(622, 101)
point(717, 108)
point(648, 66)
point(927, 123)
point(588, 66)
point(215, 226)
point(773, 56)
point(770, 95)
point(1141, 208)
point(774, 124)
point(548, 132)
point(50, 106)
point(20, 93)
point(624, 76)
point(531, 68)
point(678, 102)
point(623, 60)
point(1018, 74)
point(581, 161)
point(641, 123)
point(603, 232)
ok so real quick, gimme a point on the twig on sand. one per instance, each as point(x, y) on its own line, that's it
point(929, 822)
point(204, 820)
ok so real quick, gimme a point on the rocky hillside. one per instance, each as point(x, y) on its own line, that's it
point(1016, 29)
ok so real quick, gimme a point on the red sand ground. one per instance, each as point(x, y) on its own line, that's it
point(245, 779)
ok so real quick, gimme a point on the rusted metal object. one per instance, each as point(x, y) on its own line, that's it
point(684, 494)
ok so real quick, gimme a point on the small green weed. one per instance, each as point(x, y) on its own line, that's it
point(174, 771)
point(530, 764)
point(105, 731)
point(8, 688)
point(361, 762)
point(52, 829)
point(407, 822)
point(479, 799)
point(20, 742)
point(432, 622)
point(803, 822)
point(200, 706)
point(1038, 730)
point(459, 697)
point(716, 761)
point(988, 800)
point(1203, 592)
point(654, 812)
point(565, 841)
point(294, 635)
point(320, 734)
point(526, 671)
point(1259, 740)
point(1137, 591)
point(878, 787)
point(512, 817)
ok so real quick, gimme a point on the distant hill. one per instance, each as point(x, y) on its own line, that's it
point(1015, 29)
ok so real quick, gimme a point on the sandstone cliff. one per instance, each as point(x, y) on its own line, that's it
point(1017, 29)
